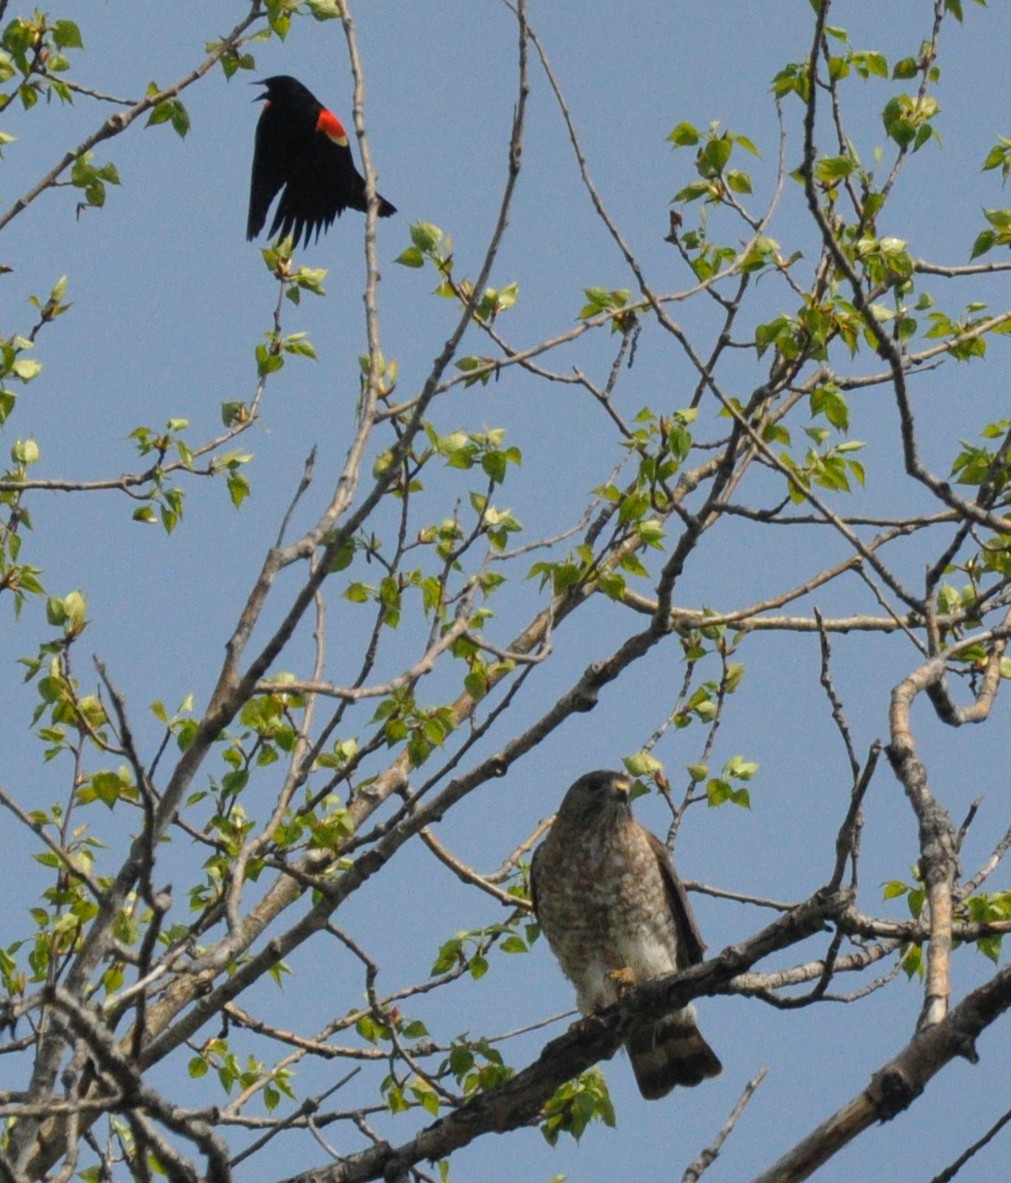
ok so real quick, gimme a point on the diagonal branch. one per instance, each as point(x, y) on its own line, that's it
point(896, 1085)
point(116, 124)
point(519, 1101)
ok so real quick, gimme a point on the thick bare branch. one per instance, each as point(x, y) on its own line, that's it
point(899, 1082)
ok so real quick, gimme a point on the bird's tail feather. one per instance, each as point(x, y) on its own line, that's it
point(668, 1053)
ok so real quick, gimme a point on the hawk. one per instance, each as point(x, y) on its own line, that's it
point(608, 899)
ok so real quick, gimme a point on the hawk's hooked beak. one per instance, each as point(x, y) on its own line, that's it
point(622, 786)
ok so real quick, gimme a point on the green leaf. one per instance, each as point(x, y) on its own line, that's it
point(575, 1104)
point(425, 236)
point(238, 488)
point(906, 68)
point(718, 792)
point(171, 111)
point(695, 190)
point(871, 62)
point(834, 168)
point(310, 279)
point(714, 156)
point(792, 79)
point(26, 368)
point(66, 35)
point(684, 136)
point(999, 156)
point(907, 120)
point(412, 257)
point(267, 361)
point(324, 10)
point(912, 961)
point(642, 764)
point(300, 345)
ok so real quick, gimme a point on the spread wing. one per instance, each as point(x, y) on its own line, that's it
point(314, 173)
point(318, 190)
point(276, 153)
point(323, 184)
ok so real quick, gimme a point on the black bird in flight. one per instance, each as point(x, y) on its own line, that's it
point(302, 151)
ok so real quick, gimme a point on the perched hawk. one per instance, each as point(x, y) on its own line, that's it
point(609, 902)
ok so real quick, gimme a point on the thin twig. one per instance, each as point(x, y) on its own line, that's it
point(709, 1155)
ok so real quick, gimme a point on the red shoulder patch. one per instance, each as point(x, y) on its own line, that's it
point(332, 128)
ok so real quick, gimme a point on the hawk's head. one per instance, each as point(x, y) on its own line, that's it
point(597, 795)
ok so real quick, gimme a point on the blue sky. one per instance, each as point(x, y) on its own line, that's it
point(169, 303)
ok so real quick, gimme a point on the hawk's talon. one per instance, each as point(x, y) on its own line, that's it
point(624, 979)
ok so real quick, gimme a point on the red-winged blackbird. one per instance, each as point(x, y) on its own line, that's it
point(303, 148)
